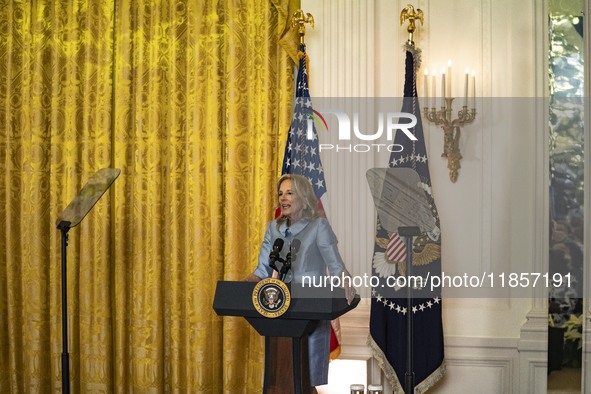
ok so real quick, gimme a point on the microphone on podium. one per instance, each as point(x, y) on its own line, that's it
point(293, 249)
point(274, 255)
point(291, 255)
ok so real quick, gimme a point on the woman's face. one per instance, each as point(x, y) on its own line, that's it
point(289, 202)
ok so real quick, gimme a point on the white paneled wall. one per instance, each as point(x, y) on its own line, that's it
point(495, 215)
point(345, 67)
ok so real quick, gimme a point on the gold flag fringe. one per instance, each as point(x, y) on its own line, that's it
point(385, 366)
point(416, 55)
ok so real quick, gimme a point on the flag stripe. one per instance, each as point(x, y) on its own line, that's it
point(396, 250)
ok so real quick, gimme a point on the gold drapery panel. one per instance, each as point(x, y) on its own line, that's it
point(192, 101)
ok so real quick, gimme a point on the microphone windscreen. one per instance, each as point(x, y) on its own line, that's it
point(278, 245)
point(295, 245)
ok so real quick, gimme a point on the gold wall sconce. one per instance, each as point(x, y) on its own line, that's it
point(444, 117)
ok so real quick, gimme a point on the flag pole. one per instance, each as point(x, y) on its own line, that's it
point(299, 20)
point(408, 233)
point(388, 339)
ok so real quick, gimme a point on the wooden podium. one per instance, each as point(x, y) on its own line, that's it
point(286, 336)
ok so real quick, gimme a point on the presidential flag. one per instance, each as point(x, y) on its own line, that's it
point(302, 156)
point(389, 311)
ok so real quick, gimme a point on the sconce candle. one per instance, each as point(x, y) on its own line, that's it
point(466, 88)
point(473, 89)
point(442, 87)
point(448, 92)
point(426, 88)
point(433, 89)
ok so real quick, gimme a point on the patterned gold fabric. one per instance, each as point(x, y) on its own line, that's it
point(191, 100)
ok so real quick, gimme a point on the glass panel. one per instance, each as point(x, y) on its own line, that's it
point(94, 188)
point(566, 77)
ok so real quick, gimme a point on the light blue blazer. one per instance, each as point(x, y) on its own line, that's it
point(317, 253)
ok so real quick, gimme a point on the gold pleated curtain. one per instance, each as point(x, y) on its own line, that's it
point(192, 101)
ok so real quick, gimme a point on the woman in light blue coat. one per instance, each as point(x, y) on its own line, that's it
point(317, 256)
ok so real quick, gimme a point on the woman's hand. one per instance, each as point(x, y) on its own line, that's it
point(349, 292)
point(252, 278)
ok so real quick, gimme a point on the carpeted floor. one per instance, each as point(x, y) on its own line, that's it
point(565, 381)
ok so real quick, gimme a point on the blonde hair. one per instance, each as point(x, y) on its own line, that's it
point(303, 190)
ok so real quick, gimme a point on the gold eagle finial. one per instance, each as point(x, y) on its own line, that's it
point(300, 19)
point(409, 13)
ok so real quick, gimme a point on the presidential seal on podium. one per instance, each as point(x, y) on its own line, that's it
point(271, 297)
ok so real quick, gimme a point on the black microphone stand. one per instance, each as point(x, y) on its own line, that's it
point(291, 255)
point(286, 267)
point(64, 227)
point(70, 217)
point(409, 378)
point(273, 261)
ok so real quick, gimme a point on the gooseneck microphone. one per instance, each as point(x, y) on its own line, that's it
point(294, 248)
point(291, 255)
point(274, 255)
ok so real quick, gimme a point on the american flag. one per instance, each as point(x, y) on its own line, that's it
point(302, 157)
